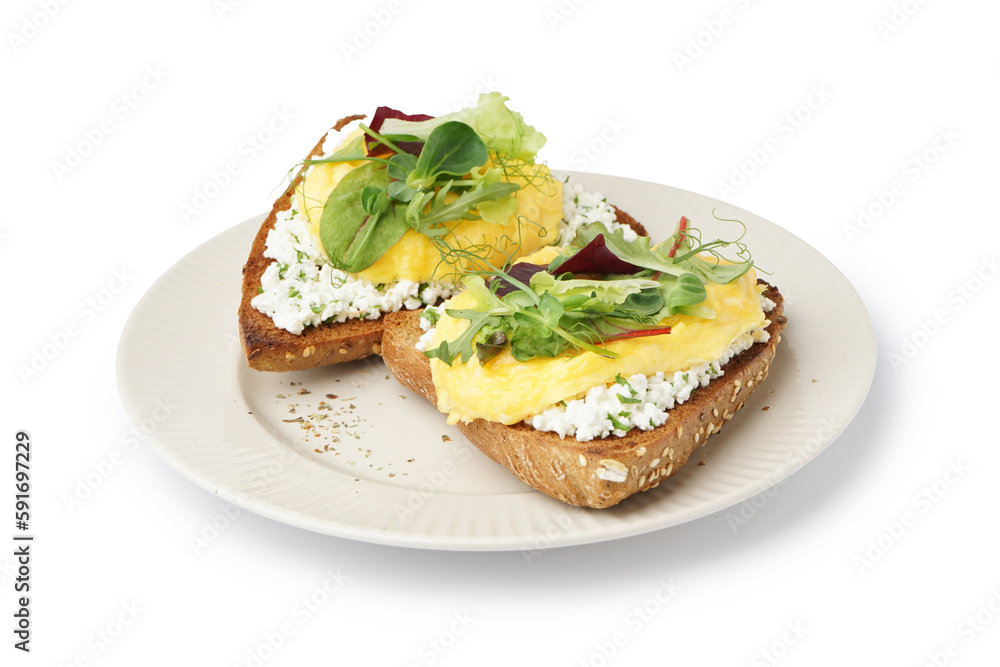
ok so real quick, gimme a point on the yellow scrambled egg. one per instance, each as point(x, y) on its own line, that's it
point(507, 391)
point(414, 257)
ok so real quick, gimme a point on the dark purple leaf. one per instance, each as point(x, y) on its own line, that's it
point(381, 113)
point(596, 257)
point(522, 271)
point(387, 112)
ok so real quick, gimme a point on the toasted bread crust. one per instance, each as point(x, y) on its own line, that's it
point(565, 468)
point(270, 348)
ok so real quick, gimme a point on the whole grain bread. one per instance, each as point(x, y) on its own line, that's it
point(567, 469)
point(269, 348)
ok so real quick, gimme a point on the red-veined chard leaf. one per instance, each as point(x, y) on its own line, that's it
point(618, 328)
point(594, 257)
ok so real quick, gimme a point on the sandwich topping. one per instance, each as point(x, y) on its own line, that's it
point(598, 339)
point(392, 214)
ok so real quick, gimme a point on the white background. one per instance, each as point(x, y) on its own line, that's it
point(878, 552)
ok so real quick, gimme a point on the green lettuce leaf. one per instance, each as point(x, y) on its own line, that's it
point(503, 131)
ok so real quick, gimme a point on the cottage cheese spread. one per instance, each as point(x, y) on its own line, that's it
point(300, 288)
point(638, 401)
point(581, 207)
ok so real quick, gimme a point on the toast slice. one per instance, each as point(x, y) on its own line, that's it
point(567, 469)
point(270, 348)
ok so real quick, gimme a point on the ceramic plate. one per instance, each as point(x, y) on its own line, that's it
point(346, 451)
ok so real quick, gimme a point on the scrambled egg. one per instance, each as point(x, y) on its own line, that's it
point(507, 391)
point(414, 257)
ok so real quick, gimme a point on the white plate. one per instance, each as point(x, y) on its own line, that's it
point(398, 474)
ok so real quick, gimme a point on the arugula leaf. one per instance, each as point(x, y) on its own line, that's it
point(461, 346)
point(485, 312)
point(442, 212)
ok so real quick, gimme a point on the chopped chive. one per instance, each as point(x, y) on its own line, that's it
point(622, 381)
point(616, 424)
